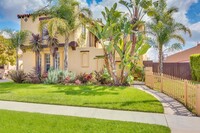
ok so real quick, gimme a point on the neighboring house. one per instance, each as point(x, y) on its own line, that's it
point(8, 67)
point(81, 59)
point(183, 56)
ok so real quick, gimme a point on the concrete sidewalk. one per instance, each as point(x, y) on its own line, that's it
point(171, 106)
point(5, 80)
point(178, 124)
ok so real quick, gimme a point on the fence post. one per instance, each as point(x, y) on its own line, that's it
point(161, 84)
point(198, 100)
point(185, 92)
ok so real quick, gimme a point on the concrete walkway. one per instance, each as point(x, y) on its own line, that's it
point(171, 106)
point(178, 124)
point(4, 80)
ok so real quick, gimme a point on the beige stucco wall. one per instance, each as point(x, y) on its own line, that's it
point(28, 59)
point(82, 60)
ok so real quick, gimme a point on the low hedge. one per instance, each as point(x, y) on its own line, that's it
point(195, 66)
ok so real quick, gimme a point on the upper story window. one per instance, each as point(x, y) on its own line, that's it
point(44, 33)
point(83, 30)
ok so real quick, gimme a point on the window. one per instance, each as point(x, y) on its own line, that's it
point(57, 61)
point(83, 30)
point(44, 33)
point(47, 62)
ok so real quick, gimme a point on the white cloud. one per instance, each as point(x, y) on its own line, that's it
point(10, 8)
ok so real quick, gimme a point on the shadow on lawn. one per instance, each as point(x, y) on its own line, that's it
point(89, 90)
point(128, 103)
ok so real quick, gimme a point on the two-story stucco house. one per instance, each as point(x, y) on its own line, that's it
point(81, 60)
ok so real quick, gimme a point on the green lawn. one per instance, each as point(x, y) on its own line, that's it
point(20, 122)
point(123, 98)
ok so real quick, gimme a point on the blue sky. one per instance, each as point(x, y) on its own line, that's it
point(90, 1)
point(193, 13)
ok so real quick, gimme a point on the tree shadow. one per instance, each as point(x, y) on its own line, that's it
point(88, 90)
point(8, 87)
point(128, 103)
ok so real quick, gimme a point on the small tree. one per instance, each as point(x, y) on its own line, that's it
point(17, 40)
point(8, 53)
point(163, 28)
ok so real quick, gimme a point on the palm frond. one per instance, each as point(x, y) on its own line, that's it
point(178, 38)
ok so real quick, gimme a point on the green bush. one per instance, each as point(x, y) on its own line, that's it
point(195, 66)
point(103, 77)
point(58, 76)
point(139, 73)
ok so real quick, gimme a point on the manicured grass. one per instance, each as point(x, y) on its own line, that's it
point(123, 98)
point(20, 122)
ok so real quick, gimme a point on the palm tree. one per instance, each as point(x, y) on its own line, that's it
point(53, 44)
point(164, 28)
point(137, 10)
point(17, 41)
point(36, 46)
point(63, 16)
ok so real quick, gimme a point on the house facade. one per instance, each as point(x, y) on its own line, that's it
point(80, 60)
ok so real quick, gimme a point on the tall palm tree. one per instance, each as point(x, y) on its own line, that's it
point(53, 44)
point(17, 41)
point(137, 10)
point(36, 46)
point(163, 28)
point(63, 16)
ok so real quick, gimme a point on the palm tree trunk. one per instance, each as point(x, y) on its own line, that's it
point(17, 60)
point(160, 60)
point(66, 53)
point(134, 37)
point(36, 63)
point(54, 61)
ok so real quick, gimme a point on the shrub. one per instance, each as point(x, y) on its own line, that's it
point(59, 76)
point(129, 80)
point(33, 78)
point(139, 73)
point(44, 76)
point(85, 78)
point(103, 77)
point(77, 82)
point(17, 77)
point(195, 66)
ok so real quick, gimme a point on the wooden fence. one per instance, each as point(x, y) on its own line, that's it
point(180, 70)
point(184, 91)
